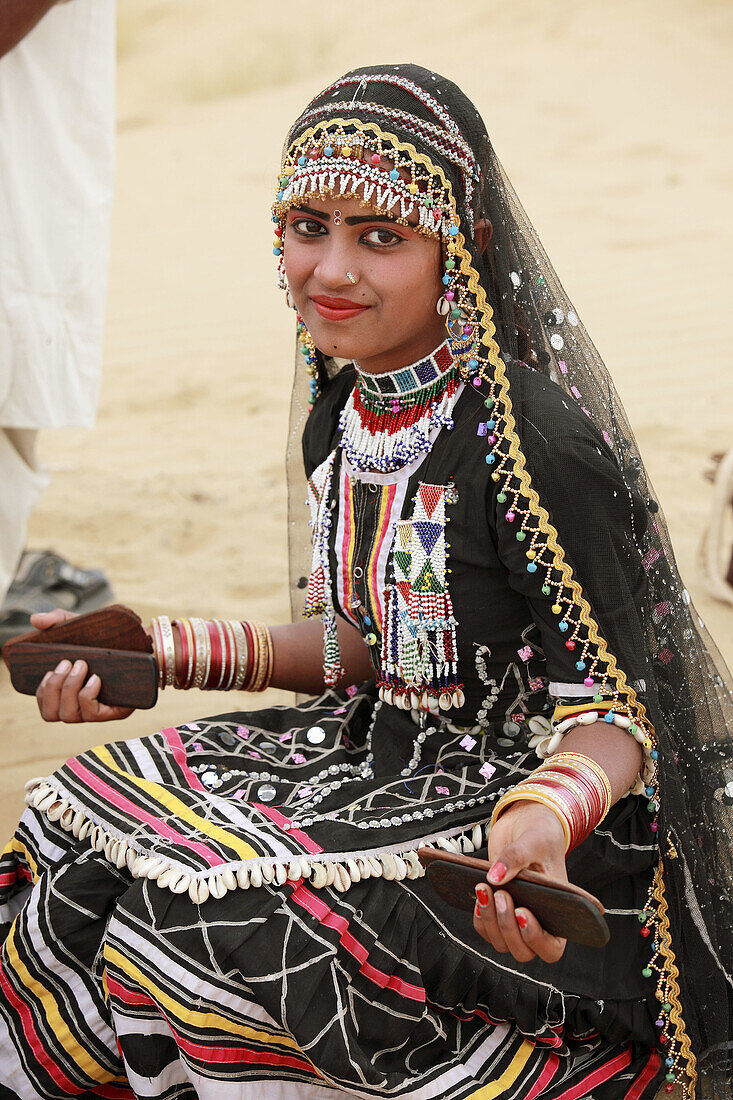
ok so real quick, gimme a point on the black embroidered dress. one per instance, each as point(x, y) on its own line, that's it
point(370, 984)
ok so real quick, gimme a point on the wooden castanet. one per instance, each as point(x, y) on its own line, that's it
point(112, 641)
point(561, 908)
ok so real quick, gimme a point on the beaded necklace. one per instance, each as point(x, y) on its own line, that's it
point(391, 419)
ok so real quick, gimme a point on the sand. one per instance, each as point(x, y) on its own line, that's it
point(611, 118)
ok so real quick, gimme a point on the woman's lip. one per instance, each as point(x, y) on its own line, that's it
point(337, 309)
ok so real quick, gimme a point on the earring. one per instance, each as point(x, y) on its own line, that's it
point(442, 306)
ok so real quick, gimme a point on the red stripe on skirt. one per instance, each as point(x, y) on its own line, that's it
point(597, 1077)
point(223, 1055)
point(173, 738)
point(318, 908)
point(42, 1056)
point(137, 813)
point(12, 876)
point(548, 1072)
point(281, 820)
point(647, 1074)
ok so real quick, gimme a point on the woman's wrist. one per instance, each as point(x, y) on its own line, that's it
point(523, 814)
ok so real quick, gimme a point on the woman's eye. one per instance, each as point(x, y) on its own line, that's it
point(381, 237)
point(307, 227)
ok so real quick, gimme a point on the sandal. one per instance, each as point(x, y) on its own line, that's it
point(45, 581)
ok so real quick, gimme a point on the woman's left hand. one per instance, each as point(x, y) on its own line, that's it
point(526, 836)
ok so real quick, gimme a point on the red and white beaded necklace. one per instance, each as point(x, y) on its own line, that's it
point(391, 419)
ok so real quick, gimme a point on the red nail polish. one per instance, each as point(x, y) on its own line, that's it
point(482, 894)
point(521, 920)
point(497, 872)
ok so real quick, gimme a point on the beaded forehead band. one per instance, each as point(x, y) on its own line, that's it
point(343, 159)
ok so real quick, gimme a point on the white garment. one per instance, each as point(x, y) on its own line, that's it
point(56, 164)
point(23, 481)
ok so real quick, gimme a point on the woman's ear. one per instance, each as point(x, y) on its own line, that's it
point(483, 232)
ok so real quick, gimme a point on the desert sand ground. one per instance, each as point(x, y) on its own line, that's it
point(612, 118)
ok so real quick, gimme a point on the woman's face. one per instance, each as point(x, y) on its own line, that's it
point(387, 317)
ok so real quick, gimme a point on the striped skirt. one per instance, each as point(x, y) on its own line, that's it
point(114, 985)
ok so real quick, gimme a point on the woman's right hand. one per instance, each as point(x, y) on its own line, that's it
point(63, 695)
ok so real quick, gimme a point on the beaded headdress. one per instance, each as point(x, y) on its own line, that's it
point(407, 142)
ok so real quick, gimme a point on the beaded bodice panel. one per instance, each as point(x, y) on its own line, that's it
point(415, 547)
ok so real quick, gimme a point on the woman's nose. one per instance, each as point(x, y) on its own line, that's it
point(335, 260)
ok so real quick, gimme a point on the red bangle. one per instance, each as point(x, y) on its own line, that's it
point(181, 673)
point(594, 792)
point(212, 679)
point(579, 816)
point(586, 780)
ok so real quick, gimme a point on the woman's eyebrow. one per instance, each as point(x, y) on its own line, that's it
point(313, 213)
point(357, 219)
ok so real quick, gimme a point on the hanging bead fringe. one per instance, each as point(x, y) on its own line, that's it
point(323, 871)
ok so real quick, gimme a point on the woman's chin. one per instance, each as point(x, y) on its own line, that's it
point(335, 340)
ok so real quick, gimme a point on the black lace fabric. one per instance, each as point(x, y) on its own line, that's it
point(658, 638)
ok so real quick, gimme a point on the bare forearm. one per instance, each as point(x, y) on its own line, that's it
point(17, 18)
point(612, 748)
point(298, 659)
point(298, 656)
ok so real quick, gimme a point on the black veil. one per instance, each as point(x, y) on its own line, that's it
point(685, 686)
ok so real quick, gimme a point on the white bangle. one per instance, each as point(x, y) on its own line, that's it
point(202, 646)
point(169, 650)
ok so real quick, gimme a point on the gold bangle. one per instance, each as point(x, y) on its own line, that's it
point(270, 658)
point(260, 681)
point(518, 794)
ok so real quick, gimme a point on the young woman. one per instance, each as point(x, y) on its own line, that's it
point(236, 908)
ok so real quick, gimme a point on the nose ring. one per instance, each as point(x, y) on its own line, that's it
point(350, 277)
